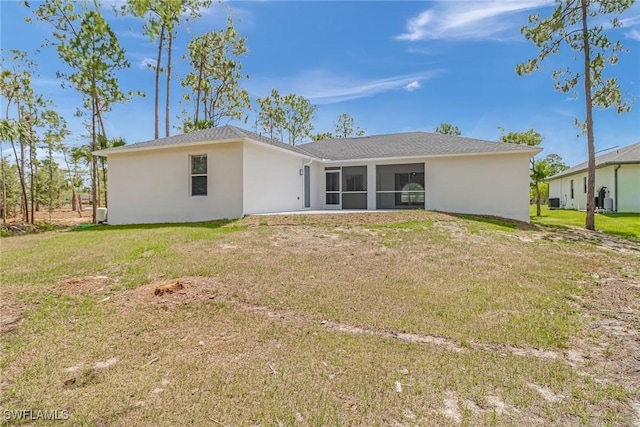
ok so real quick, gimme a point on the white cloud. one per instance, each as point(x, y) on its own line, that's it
point(634, 34)
point(412, 86)
point(630, 21)
point(110, 5)
point(467, 20)
point(134, 35)
point(149, 63)
point(322, 87)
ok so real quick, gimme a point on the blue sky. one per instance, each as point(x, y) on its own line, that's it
point(394, 66)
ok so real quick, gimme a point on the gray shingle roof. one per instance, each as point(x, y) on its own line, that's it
point(410, 144)
point(213, 134)
point(628, 154)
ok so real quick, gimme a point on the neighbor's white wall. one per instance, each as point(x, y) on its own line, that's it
point(272, 180)
point(484, 185)
point(555, 190)
point(561, 188)
point(154, 186)
point(629, 188)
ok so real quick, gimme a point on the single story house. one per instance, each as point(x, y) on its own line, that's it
point(228, 172)
point(617, 183)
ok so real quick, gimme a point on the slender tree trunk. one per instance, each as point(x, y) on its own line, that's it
point(23, 184)
point(21, 171)
point(32, 180)
point(50, 207)
point(98, 186)
point(591, 174)
point(74, 199)
point(198, 92)
point(74, 195)
point(206, 101)
point(94, 211)
point(104, 179)
point(168, 94)
point(157, 87)
point(4, 188)
point(102, 159)
point(538, 212)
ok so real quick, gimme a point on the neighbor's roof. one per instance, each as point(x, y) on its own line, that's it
point(409, 144)
point(629, 154)
point(220, 133)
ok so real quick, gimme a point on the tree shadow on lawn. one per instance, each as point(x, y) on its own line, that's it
point(212, 225)
point(624, 234)
point(559, 228)
point(496, 221)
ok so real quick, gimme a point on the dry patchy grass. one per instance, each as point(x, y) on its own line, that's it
point(409, 318)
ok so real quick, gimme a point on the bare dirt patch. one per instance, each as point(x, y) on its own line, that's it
point(602, 240)
point(64, 216)
point(10, 315)
point(611, 355)
point(610, 346)
point(84, 285)
point(345, 220)
point(197, 289)
point(193, 290)
point(46, 221)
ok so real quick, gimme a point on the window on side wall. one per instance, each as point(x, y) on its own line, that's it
point(584, 184)
point(572, 189)
point(199, 175)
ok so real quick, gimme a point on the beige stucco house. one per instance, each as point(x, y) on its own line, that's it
point(228, 172)
point(617, 183)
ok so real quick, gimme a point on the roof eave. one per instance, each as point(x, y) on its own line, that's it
point(110, 151)
point(423, 156)
point(132, 149)
point(601, 165)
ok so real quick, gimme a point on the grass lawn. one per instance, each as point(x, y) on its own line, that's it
point(621, 224)
point(409, 318)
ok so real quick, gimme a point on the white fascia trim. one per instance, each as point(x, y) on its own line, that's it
point(110, 151)
point(586, 169)
point(429, 156)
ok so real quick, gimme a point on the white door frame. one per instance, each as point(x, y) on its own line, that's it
point(337, 171)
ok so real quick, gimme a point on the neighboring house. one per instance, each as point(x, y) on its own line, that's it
point(227, 172)
point(617, 186)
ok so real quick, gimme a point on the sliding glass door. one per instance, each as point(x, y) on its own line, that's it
point(332, 187)
point(400, 186)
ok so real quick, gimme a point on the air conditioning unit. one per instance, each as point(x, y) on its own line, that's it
point(554, 203)
point(608, 204)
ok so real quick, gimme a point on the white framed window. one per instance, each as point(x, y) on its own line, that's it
point(198, 172)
